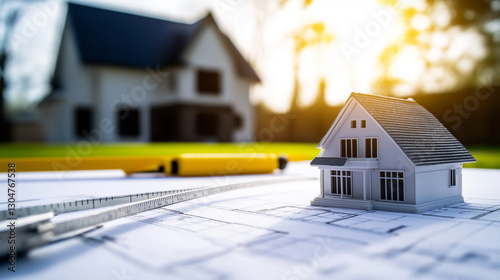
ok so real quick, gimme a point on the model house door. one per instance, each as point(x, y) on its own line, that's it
point(341, 182)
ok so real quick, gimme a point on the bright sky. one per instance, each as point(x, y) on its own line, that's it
point(361, 29)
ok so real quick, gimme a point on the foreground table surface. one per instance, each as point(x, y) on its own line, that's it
point(266, 232)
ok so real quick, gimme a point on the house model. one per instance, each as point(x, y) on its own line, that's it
point(126, 77)
point(384, 153)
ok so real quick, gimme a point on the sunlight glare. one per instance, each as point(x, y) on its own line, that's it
point(344, 20)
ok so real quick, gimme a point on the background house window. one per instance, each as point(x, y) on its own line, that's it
point(128, 122)
point(349, 148)
point(238, 121)
point(83, 120)
point(208, 82)
point(207, 124)
point(371, 149)
point(363, 123)
point(392, 186)
point(341, 180)
point(353, 124)
point(453, 177)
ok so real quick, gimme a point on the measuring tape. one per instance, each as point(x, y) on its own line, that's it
point(37, 230)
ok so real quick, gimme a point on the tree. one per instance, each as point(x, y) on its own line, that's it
point(4, 126)
point(308, 36)
point(447, 21)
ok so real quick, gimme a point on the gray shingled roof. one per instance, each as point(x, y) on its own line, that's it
point(331, 161)
point(419, 134)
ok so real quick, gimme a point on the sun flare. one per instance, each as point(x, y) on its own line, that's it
point(361, 30)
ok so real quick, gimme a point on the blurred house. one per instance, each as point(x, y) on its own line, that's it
point(126, 77)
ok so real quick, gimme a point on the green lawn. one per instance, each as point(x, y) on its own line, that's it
point(296, 151)
point(487, 156)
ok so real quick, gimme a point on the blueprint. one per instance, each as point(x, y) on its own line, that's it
point(264, 232)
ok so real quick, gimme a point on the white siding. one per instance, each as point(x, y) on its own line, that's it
point(390, 156)
point(130, 88)
point(77, 84)
point(433, 183)
point(208, 52)
point(245, 110)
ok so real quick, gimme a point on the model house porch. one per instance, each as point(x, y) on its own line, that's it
point(347, 181)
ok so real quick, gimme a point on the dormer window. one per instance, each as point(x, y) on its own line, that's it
point(353, 124)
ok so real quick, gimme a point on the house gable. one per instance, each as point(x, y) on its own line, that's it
point(390, 156)
point(210, 50)
point(207, 49)
point(207, 53)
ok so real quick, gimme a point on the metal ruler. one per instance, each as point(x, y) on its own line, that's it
point(37, 230)
point(85, 204)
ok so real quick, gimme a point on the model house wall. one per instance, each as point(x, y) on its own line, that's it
point(145, 94)
point(390, 156)
point(433, 183)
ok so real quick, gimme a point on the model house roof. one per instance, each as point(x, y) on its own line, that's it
point(420, 135)
point(117, 38)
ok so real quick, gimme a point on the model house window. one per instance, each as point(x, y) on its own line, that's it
point(363, 123)
point(392, 186)
point(207, 124)
point(208, 82)
point(341, 182)
point(128, 122)
point(353, 124)
point(349, 148)
point(83, 121)
point(371, 148)
point(453, 177)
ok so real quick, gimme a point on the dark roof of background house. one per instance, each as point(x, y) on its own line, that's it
point(420, 135)
point(117, 38)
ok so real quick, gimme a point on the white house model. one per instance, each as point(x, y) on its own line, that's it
point(126, 77)
point(384, 153)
